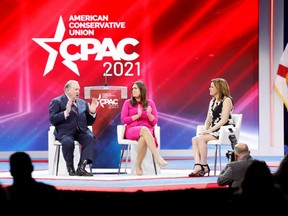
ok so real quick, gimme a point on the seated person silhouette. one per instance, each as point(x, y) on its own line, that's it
point(258, 186)
point(280, 176)
point(25, 189)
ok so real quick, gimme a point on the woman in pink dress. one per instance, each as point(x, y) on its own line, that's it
point(140, 116)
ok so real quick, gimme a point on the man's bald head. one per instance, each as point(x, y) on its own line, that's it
point(241, 149)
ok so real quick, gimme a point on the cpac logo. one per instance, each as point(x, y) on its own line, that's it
point(87, 46)
point(111, 102)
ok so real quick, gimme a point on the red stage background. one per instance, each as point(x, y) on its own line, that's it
point(176, 47)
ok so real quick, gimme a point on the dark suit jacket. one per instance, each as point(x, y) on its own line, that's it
point(233, 172)
point(67, 126)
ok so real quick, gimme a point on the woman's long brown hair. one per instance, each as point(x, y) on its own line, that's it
point(143, 94)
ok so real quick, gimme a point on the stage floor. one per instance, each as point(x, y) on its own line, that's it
point(172, 177)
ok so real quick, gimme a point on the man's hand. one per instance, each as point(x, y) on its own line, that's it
point(93, 106)
point(69, 105)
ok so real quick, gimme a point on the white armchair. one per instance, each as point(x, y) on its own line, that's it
point(56, 162)
point(225, 131)
point(131, 146)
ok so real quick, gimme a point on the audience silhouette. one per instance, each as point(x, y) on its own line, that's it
point(25, 189)
point(258, 191)
point(281, 175)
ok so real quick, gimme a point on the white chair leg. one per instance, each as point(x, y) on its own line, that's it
point(90, 168)
point(215, 159)
point(57, 157)
point(220, 158)
point(154, 164)
point(121, 158)
point(127, 157)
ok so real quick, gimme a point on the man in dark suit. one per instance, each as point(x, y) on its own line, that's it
point(234, 171)
point(71, 115)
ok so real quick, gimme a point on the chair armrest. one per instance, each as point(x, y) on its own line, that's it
point(157, 133)
point(51, 137)
point(120, 132)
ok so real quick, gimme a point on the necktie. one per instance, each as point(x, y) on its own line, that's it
point(75, 108)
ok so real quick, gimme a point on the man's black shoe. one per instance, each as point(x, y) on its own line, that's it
point(81, 171)
point(71, 170)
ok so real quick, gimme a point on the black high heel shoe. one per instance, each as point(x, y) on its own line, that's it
point(199, 173)
point(206, 171)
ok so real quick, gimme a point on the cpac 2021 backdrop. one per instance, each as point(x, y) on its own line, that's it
point(176, 47)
